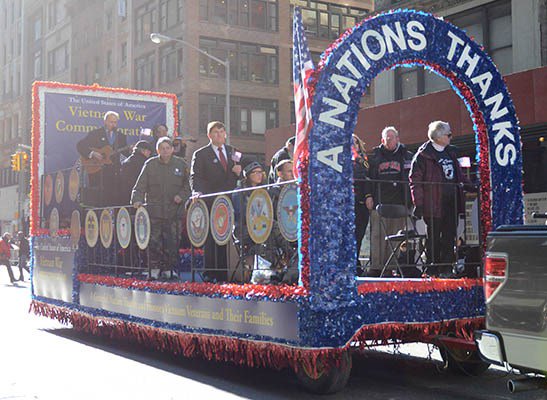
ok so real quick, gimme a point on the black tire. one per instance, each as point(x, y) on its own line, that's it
point(463, 362)
point(331, 379)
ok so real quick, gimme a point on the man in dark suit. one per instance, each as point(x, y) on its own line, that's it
point(103, 185)
point(215, 168)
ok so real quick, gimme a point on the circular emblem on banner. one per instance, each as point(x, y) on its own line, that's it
point(197, 223)
point(48, 189)
point(75, 228)
point(53, 222)
point(73, 184)
point(259, 216)
point(59, 187)
point(222, 220)
point(142, 228)
point(123, 227)
point(287, 212)
point(106, 228)
point(91, 228)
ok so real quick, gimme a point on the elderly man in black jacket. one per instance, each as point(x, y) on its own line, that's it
point(390, 164)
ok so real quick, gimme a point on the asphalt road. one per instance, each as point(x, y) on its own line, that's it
point(41, 359)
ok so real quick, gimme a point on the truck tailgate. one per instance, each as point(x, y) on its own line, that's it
point(518, 311)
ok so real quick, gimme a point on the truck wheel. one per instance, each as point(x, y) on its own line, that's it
point(330, 379)
point(463, 362)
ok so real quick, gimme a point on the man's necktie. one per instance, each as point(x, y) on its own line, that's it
point(222, 159)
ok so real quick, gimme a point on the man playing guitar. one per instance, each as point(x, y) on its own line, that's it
point(100, 151)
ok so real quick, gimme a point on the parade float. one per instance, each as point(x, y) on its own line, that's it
point(314, 326)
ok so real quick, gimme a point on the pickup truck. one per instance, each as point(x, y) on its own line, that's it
point(515, 287)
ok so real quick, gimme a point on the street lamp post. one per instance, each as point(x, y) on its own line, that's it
point(159, 38)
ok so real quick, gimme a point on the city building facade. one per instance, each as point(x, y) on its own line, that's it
point(514, 34)
point(107, 42)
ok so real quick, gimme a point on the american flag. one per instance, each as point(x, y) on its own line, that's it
point(302, 70)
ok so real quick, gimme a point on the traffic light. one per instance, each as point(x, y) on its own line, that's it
point(16, 162)
point(24, 160)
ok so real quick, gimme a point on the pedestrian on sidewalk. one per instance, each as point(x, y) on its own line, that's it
point(5, 254)
point(24, 253)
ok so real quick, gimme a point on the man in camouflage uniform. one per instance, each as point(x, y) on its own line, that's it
point(164, 182)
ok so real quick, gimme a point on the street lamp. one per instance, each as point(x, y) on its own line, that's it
point(159, 38)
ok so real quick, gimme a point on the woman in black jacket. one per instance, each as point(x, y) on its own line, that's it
point(362, 190)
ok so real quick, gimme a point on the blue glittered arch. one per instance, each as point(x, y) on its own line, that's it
point(438, 45)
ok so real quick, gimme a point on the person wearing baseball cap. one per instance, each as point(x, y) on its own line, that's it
point(253, 175)
point(284, 153)
point(132, 166)
point(215, 168)
point(163, 184)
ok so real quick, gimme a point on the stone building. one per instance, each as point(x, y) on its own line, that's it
point(107, 42)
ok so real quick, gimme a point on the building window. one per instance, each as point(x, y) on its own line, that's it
point(15, 126)
point(8, 135)
point(109, 19)
point(55, 13)
point(328, 21)
point(124, 54)
point(145, 22)
point(171, 12)
point(38, 28)
point(255, 14)
point(489, 25)
point(57, 60)
point(97, 69)
point(248, 116)
point(203, 9)
point(16, 78)
point(109, 61)
point(18, 43)
point(144, 72)
point(51, 8)
point(248, 62)
point(170, 63)
point(86, 74)
point(98, 28)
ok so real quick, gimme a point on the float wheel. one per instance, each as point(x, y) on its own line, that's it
point(328, 377)
point(462, 361)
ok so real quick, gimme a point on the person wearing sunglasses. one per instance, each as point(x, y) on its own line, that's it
point(436, 180)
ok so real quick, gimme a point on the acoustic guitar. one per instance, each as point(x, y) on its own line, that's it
point(92, 165)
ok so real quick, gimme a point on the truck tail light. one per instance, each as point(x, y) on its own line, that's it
point(495, 274)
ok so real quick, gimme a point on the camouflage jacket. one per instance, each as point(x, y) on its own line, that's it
point(159, 183)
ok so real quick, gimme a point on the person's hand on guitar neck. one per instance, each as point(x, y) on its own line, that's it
point(96, 155)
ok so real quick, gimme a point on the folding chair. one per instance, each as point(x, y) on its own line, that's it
point(394, 211)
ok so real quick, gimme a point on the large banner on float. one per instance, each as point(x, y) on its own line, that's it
point(263, 318)
point(70, 116)
point(66, 113)
point(399, 38)
point(62, 114)
point(53, 264)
